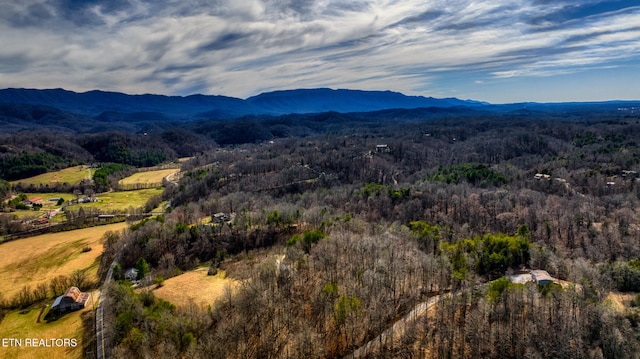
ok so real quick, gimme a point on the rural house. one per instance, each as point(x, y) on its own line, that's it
point(73, 299)
point(542, 277)
point(536, 275)
point(131, 275)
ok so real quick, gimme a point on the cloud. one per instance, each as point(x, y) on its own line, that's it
point(240, 48)
point(564, 11)
point(12, 63)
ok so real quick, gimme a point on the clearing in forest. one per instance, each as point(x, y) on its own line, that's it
point(195, 286)
point(35, 260)
point(148, 177)
point(71, 175)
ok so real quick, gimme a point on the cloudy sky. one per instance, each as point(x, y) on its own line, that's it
point(495, 50)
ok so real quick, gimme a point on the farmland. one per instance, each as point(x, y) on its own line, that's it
point(120, 201)
point(47, 204)
point(71, 175)
point(35, 260)
point(23, 325)
point(148, 177)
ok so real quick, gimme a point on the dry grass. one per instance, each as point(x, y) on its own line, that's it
point(195, 286)
point(619, 301)
point(148, 176)
point(34, 260)
point(22, 326)
point(120, 201)
point(71, 175)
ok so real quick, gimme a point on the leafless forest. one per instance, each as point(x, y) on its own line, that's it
point(337, 235)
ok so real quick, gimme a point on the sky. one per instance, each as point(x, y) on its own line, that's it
point(500, 51)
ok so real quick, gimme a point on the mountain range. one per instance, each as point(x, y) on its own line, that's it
point(23, 108)
point(98, 103)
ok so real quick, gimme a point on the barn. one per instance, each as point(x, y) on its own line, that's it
point(73, 299)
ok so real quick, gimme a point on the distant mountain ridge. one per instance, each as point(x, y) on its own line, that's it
point(95, 103)
point(341, 100)
point(100, 110)
point(100, 103)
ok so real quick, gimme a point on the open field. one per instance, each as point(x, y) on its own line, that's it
point(46, 196)
point(46, 204)
point(148, 177)
point(115, 201)
point(34, 260)
point(71, 175)
point(25, 326)
point(195, 286)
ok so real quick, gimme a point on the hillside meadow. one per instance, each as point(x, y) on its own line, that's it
point(196, 287)
point(35, 260)
point(148, 177)
point(71, 175)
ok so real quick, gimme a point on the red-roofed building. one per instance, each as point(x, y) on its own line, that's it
point(73, 299)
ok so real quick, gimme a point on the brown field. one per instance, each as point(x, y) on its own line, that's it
point(195, 286)
point(34, 260)
point(71, 175)
point(22, 326)
point(148, 176)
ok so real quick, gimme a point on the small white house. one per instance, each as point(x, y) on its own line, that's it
point(541, 276)
point(536, 275)
point(131, 274)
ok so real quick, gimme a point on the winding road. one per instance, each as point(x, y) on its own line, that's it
point(398, 328)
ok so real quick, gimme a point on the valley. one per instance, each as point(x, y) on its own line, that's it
point(320, 179)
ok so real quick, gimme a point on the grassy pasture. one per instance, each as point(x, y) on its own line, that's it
point(148, 177)
point(195, 286)
point(22, 326)
point(114, 201)
point(34, 260)
point(46, 204)
point(110, 201)
point(71, 175)
point(49, 205)
point(45, 197)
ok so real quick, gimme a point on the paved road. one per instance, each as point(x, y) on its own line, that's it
point(102, 346)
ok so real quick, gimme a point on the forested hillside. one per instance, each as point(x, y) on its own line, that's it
point(27, 154)
point(339, 225)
